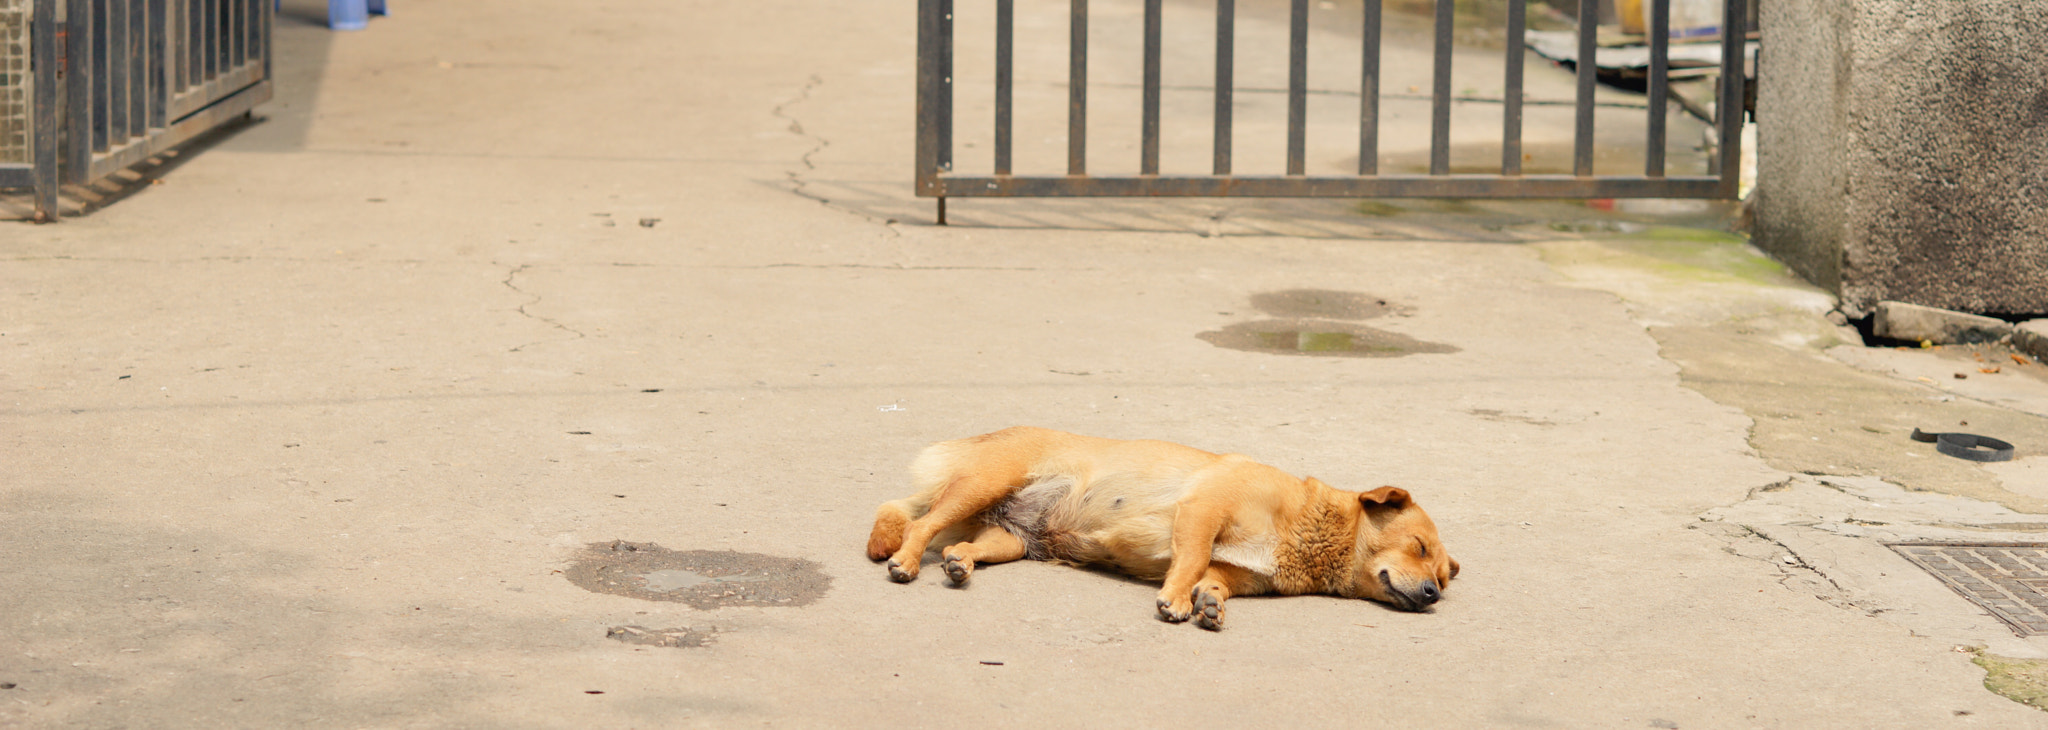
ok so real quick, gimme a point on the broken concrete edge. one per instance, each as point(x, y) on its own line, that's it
point(1832, 536)
point(1916, 323)
point(2031, 337)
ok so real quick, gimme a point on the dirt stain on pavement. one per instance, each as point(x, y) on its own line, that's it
point(703, 579)
point(1321, 323)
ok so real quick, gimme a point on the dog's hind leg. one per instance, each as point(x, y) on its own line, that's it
point(991, 545)
point(964, 498)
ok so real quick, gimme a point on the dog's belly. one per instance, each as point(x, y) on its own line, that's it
point(1122, 521)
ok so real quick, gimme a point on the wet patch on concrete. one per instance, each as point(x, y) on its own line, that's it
point(1319, 322)
point(703, 579)
point(1318, 338)
point(1322, 304)
point(679, 638)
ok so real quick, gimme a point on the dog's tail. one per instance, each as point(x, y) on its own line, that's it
point(930, 473)
point(890, 522)
point(940, 465)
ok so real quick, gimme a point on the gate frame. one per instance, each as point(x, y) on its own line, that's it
point(159, 91)
point(934, 153)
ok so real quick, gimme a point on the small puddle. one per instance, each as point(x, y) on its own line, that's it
point(704, 579)
point(1319, 322)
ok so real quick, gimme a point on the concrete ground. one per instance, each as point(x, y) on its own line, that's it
point(366, 415)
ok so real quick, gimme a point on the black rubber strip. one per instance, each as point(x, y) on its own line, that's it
point(1967, 445)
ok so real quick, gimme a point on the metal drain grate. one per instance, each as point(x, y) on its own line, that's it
point(2009, 579)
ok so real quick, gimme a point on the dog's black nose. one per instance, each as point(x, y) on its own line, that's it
point(1430, 593)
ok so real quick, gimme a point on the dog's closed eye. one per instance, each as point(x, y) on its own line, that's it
point(1422, 547)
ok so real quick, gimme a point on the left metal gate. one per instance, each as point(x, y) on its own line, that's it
point(102, 85)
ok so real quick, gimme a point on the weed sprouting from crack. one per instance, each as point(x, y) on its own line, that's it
point(535, 299)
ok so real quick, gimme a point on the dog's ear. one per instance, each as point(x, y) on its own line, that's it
point(1395, 497)
point(1454, 567)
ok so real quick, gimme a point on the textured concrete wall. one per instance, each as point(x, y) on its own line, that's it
point(1903, 150)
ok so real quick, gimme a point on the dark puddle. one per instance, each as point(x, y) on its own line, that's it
point(704, 579)
point(1313, 322)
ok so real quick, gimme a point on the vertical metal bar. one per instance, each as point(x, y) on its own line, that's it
point(1006, 12)
point(137, 49)
point(269, 12)
point(1511, 115)
point(174, 47)
point(1226, 52)
point(1297, 87)
point(83, 64)
point(43, 161)
point(158, 99)
point(237, 31)
point(946, 85)
point(1077, 90)
point(1588, 58)
point(194, 39)
point(1148, 127)
point(1728, 110)
point(116, 87)
point(1369, 94)
point(211, 27)
point(931, 75)
point(1440, 93)
point(1660, 65)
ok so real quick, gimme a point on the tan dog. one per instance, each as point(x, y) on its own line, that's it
point(1209, 526)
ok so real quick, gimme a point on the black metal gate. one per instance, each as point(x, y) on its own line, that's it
point(111, 83)
point(934, 156)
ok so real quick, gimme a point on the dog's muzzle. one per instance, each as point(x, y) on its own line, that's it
point(1419, 598)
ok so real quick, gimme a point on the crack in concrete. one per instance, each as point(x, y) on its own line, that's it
point(536, 298)
point(798, 183)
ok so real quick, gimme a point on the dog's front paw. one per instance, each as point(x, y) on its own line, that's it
point(1208, 609)
point(902, 573)
point(957, 569)
point(1175, 610)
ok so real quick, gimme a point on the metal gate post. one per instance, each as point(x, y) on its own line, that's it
point(43, 39)
point(934, 102)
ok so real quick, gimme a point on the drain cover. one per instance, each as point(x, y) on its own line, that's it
point(2009, 579)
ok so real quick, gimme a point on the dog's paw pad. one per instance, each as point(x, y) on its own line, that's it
point(900, 574)
point(958, 570)
point(1171, 613)
point(1208, 610)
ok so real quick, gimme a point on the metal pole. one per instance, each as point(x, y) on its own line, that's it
point(1582, 140)
point(1440, 93)
point(1511, 115)
point(1660, 65)
point(1297, 88)
point(1005, 77)
point(1077, 90)
point(1148, 127)
point(42, 39)
point(1226, 42)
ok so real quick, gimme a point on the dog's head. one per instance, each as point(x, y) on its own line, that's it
point(1398, 559)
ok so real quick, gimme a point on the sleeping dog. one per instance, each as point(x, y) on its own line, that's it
point(1208, 526)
